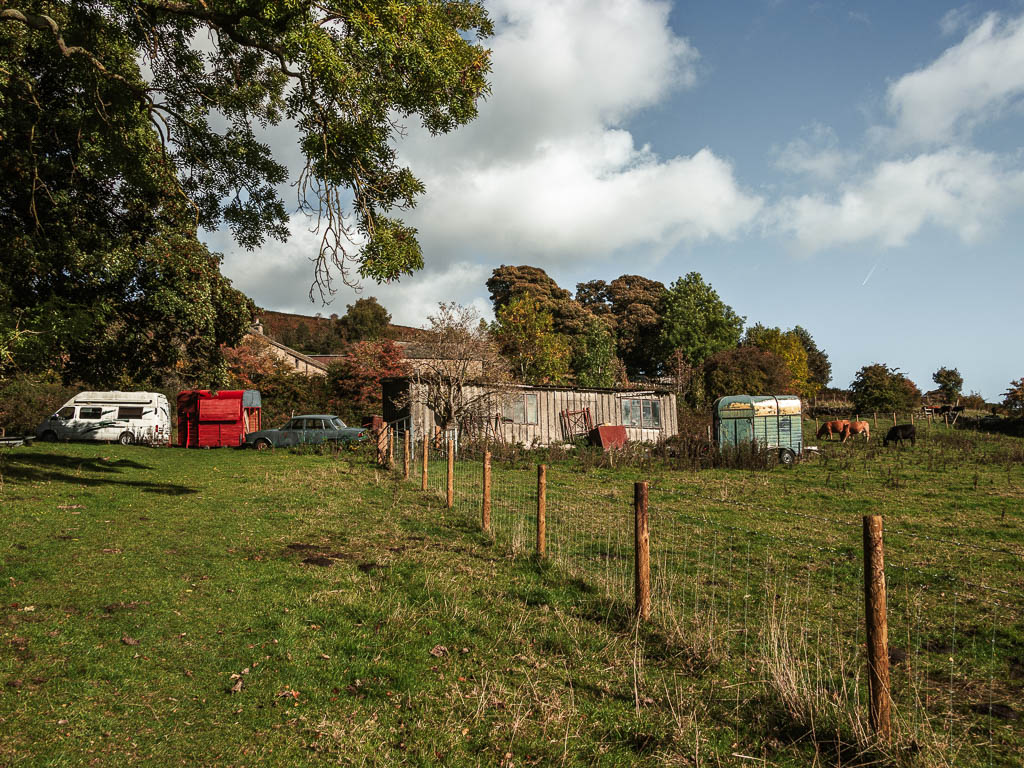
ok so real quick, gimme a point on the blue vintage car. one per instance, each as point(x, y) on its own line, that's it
point(305, 430)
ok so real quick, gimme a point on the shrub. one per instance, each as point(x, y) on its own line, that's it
point(25, 401)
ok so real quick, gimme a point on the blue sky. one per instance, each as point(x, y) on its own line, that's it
point(855, 168)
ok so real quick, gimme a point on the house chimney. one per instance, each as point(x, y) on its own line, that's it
point(256, 327)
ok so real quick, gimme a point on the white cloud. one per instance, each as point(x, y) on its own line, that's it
point(961, 190)
point(816, 154)
point(278, 276)
point(547, 171)
point(969, 83)
point(956, 19)
point(583, 198)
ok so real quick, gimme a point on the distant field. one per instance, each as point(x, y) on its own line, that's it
point(367, 624)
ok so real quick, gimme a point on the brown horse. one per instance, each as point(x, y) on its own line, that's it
point(830, 428)
point(857, 428)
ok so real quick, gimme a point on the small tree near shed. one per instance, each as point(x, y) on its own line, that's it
point(458, 351)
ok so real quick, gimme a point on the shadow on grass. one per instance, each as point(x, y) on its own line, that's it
point(52, 468)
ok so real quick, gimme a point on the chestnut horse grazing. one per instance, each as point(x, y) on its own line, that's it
point(857, 428)
point(830, 428)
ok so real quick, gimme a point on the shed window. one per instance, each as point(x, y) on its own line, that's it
point(129, 412)
point(521, 409)
point(645, 414)
point(90, 413)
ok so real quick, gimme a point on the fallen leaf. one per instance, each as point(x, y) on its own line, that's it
point(237, 687)
point(129, 640)
point(439, 651)
point(324, 656)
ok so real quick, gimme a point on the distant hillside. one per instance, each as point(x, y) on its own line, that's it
point(316, 334)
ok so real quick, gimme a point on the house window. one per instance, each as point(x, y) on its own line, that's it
point(90, 413)
point(129, 412)
point(645, 414)
point(521, 409)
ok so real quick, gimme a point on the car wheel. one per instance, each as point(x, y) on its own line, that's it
point(49, 436)
point(786, 457)
point(263, 445)
point(126, 438)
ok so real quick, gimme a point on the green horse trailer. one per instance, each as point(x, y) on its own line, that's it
point(767, 421)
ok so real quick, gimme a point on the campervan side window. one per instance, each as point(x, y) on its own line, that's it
point(521, 409)
point(67, 413)
point(129, 412)
point(641, 413)
point(91, 413)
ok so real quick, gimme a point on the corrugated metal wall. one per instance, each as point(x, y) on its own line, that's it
point(605, 408)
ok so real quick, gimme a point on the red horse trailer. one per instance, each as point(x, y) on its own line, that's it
point(212, 419)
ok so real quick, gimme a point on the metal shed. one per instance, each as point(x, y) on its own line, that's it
point(769, 421)
point(543, 415)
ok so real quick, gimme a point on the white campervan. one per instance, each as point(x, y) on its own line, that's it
point(127, 417)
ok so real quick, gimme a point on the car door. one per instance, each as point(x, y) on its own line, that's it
point(313, 431)
point(291, 433)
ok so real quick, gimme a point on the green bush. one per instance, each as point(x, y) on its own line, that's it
point(25, 401)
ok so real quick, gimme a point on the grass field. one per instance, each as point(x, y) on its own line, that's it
point(166, 607)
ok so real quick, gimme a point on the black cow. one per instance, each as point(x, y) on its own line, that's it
point(899, 433)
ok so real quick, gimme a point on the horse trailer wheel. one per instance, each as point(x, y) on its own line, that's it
point(126, 438)
point(786, 457)
point(263, 445)
point(49, 436)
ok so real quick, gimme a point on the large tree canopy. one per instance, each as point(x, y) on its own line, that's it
point(637, 304)
point(126, 125)
point(202, 73)
point(697, 321)
point(788, 346)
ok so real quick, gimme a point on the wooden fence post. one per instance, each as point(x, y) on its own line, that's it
point(894, 418)
point(426, 447)
point(945, 417)
point(485, 513)
point(382, 446)
point(542, 503)
point(405, 459)
point(451, 474)
point(911, 418)
point(642, 552)
point(875, 419)
point(877, 627)
point(391, 447)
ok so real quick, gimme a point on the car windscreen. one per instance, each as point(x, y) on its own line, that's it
point(337, 423)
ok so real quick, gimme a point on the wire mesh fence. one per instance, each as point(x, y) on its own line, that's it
point(775, 597)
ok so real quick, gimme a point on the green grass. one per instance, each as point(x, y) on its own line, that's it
point(136, 583)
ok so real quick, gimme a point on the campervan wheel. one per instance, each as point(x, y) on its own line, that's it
point(126, 438)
